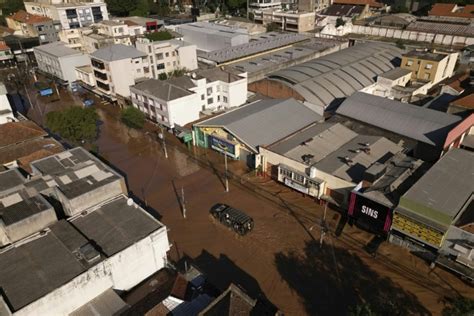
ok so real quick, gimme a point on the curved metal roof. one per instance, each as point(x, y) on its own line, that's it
point(323, 80)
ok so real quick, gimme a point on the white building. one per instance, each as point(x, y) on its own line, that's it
point(264, 4)
point(6, 113)
point(117, 67)
point(59, 60)
point(180, 100)
point(104, 245)
point(71, 14)
point(167, 56)
point(211, 36)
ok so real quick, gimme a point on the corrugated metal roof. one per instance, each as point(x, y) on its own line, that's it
point(356, 66)
point(422, 124)
point(264, 122)
point(447, 186)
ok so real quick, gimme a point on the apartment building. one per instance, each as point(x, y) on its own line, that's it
point(429, 66)
point(291, 21)
point(179, 101)
point(6, 56)
point(59, 61)
point(117, 67)
point(32, 25)
point(166, 56)
point(71, 15)
point(264, 4)
point(89, 39)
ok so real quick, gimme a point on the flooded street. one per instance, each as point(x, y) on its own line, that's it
point(282, 257)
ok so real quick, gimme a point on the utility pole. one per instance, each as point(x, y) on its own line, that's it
point(183, 202)
point(323, 226)
point(162, 136)
point(226, 178)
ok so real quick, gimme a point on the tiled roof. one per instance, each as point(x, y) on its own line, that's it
point(466, 101)
point(449, 9)
point(25, 17)
point(4, 46)
point(16, 132)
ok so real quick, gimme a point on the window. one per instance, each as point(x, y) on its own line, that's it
point(218, 98)
point(297, 177)
point(429, 66)
point(409, 62)
point(202, 97)
point(209, 91)
point(137, 61)
point(160, 66)
point(159, 56)
point(42, 37)
point(210, 101)
point(225, 99)
point(40, 28)
point(286, 173)
point(218, 88)
point(427, 76)
point(173, 54)
point(167, 55)
point(149, 49)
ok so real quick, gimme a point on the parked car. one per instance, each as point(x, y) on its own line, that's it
point(237, 220)
point(88, 103)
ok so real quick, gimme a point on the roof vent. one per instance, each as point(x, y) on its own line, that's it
point(130, 202)
point(193, 75)
point(348, 160)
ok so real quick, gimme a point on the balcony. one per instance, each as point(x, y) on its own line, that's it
point(100, 76)
point(97, 64)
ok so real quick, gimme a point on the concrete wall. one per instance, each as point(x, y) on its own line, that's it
point(188, 57)
point(435, 38)
point(184, 110)
point(30, 225)
point(82, 202)
point(120, 272)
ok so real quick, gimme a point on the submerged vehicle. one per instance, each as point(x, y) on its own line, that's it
point(237, 220)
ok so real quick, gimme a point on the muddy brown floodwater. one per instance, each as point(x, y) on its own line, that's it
point(282, 257)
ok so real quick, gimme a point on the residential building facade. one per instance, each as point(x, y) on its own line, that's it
point(59, 61)
point(117, 67)
point(31, 25)
point(430, 66)
point(6, 56)
point(290, 21)
point(167, 56)
point(179, 101)
point(71, 14)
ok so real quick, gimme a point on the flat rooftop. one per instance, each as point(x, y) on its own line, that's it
point(75, 172)
point(212, 28)
point(16, 207)
point(318, 140)
point(349, 162)
point(165, 90)
point(425, 55)
point(266, 42)
point(34, 269)
point(116, 225)
point(395, 73)
point(399, 174)
point(10, 179)
point(57, 49)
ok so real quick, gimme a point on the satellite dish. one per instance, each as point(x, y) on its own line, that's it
point(130, 202)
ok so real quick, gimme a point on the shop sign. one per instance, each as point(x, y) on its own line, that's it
point(376, 215)
point(296, 186)
point(222, 146)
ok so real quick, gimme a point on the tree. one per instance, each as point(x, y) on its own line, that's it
point(362, 310)
point(163, 76)
point(12, 6)
point(133, 117)
point(121, 7)
point(460, 306)
point(236, 5)
point(76, 124)
point(400, 43)
point(159, 36)
point(142, 8)
point(340, 22)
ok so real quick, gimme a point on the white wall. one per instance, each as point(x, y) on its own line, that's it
point(188, 57)
point(184, 110)
point(122, 271)
point(6, 114)
point(69, 64)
